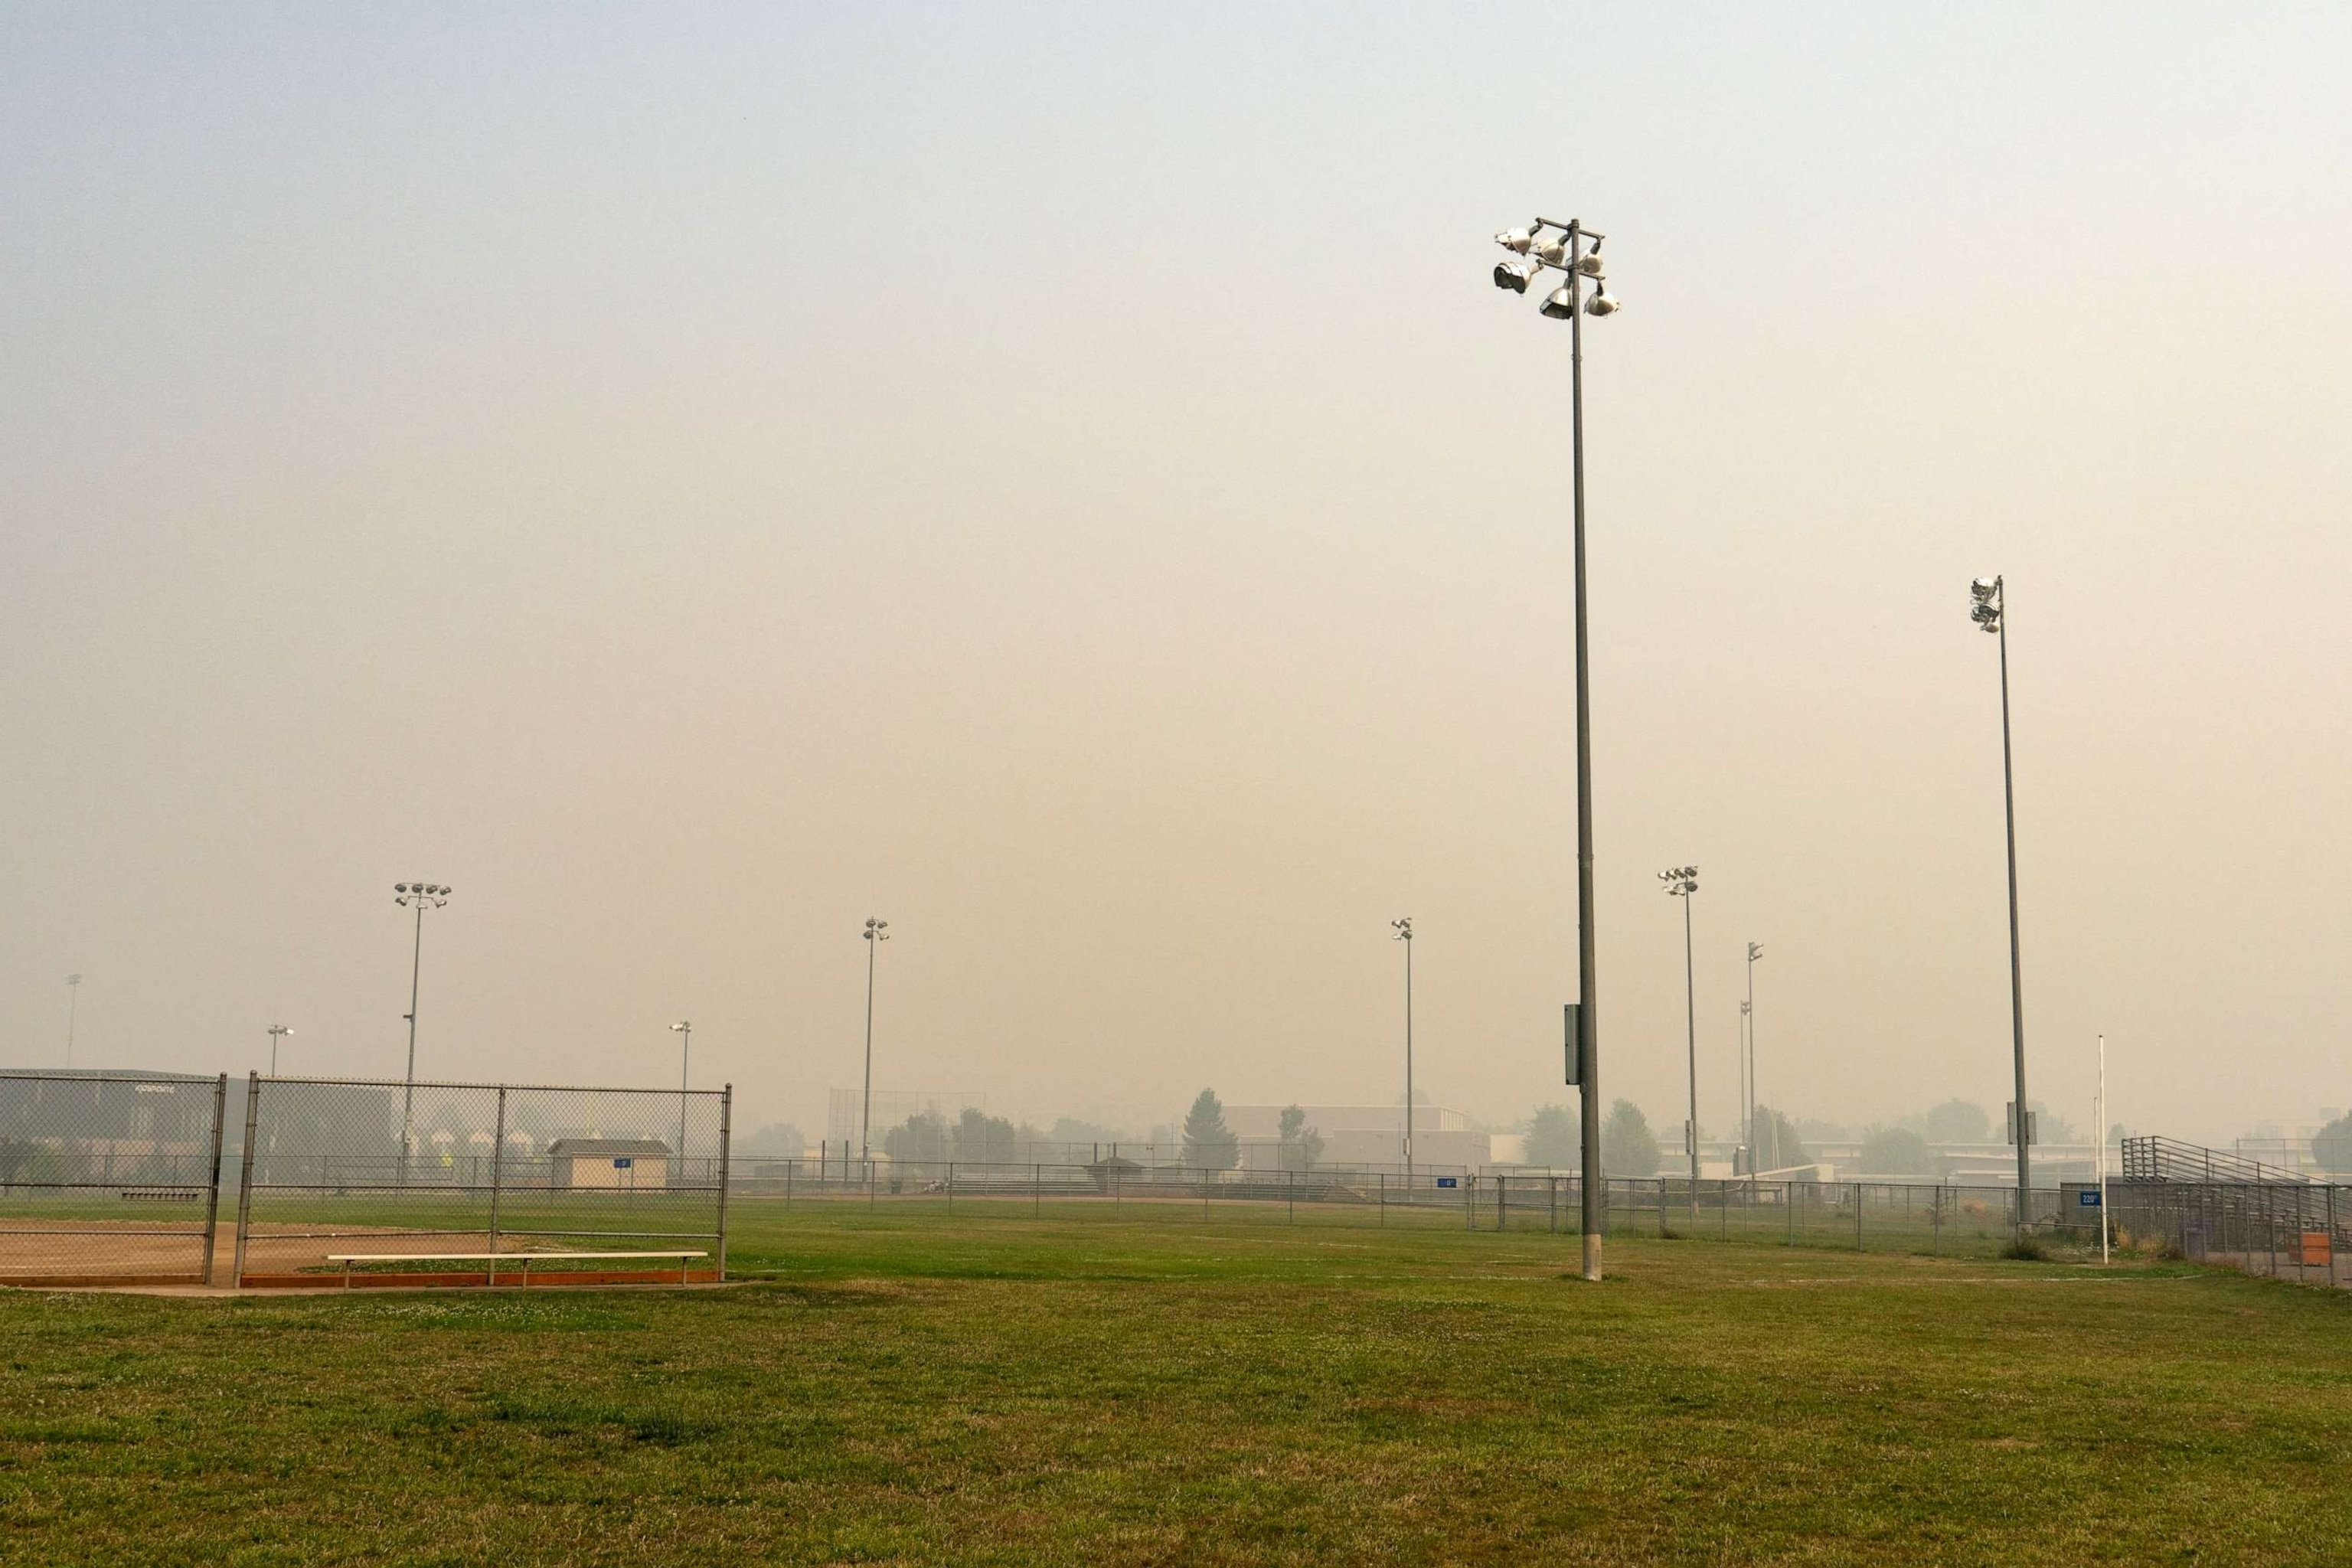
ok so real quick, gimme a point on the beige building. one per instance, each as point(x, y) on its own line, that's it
point(1361, 1135)
point(610, 1162)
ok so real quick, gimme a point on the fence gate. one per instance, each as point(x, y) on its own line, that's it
point(109, 1178)
point(348, 1183)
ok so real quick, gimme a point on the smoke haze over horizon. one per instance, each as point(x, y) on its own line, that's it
point(1059, 478)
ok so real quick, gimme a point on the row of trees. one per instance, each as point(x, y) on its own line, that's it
point(1629, 1147)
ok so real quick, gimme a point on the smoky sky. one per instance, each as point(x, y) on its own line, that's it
point(1058, 478)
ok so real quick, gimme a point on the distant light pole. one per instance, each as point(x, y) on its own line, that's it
point(73, 1005)
point(1990, 613)
point(1748, 1011)
point(877, 933)
point(2103, 1149)
point(1575, 251)
point(277, 1033)
point(1681, 883)
point(1404, 934)
point(420, 897)
point(684, 1028)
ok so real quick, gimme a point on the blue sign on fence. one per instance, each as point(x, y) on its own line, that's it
point(2088, 1197)
point(622, 1165)
point(1449, 1181)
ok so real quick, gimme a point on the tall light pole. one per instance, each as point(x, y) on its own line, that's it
point(1404, 934)
point(877, 933)
point(1990, 613)
point(684, 1029)
point(1681, 883)
point(420, 897)
point(73, 1006)
point(277, 1033)
point(1575, 251)
point(1748, 1011)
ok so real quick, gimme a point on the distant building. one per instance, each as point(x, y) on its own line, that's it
point(610, 1162)
point(1368, 1135)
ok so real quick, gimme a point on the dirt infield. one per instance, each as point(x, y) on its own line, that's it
point(100, 1252)
point(88, 1254)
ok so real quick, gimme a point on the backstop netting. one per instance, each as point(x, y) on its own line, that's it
point(364, 1181)
point(107, 1178)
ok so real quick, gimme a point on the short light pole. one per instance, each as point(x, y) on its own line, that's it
point(1990, 613)
point(684, 1029)
point(277, 1033)
point(1574, 251)
point(877, 933)
point(420, 897)
point(1748, 1011)
point(73, 1006)
point(1404, 934)
point(1681, 883)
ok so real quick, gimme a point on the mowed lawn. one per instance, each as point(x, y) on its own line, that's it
point(1001, 1389)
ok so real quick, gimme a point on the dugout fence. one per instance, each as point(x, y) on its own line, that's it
point(109, 1178)
point(365, 1182)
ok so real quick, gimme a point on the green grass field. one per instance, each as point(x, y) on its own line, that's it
point(918, 1389)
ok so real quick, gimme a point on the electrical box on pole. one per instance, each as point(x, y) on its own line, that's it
point(1576, 1074)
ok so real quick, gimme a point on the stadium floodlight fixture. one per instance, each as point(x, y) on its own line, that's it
point(1590, 263)
point(1521, 240)
point(1604, 304)
point(1516, 275)
point(1560, 304)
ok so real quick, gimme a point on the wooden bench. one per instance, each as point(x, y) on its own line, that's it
point(495, 1258)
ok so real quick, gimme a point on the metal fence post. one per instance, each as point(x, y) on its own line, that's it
point(212, 1200)
point(245, 1177)
point(726, 1141)
point(498, 1173)
point(1036, 1191)
point(1857, 1217)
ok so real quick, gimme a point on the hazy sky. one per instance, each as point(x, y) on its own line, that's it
point(1060, 480)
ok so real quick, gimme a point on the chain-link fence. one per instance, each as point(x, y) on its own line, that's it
point(1869, 1216)
point(353, 1183)
point(2285, 1230)
point(109, 1178)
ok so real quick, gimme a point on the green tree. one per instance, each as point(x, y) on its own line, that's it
point(777, 1137)
point(1209, 1144)
point(1628, 1147)
point(922, 1136)
point(1959, 1121)
point(1555, 1138)
point(1895, 1152)
point(2331, 1145)
point(1777, 1146)
point(984, 1139)
point(1301, 1145)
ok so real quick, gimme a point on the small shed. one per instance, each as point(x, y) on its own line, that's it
point(1113, 1172)
point(610, 1161)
